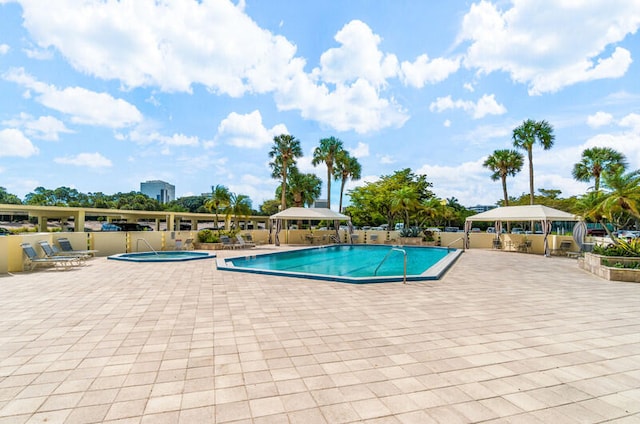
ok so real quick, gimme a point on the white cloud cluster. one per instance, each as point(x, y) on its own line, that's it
point(247, 130)
point(84, 106)
point(89, 160)
point(43, 128)
point(566, 43)
point(486, 105)
point(4, 49)
point(176, 45)
point(13, 143)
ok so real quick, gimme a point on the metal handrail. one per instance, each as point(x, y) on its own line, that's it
point(455, 241)
point(145, 242)
point(404, 253)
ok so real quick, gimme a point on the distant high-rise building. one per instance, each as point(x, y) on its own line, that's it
point(162, 191)
point(481, 208)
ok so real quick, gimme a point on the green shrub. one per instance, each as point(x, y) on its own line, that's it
point(208, 236)
point(625, 248)
point(410, 232)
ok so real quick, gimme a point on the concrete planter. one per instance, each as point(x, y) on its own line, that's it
point(207, 246)
point(410, 241)
point(593, 263)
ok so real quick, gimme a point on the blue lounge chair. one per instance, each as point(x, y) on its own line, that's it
point(67, 248)
point(33, 260)
point(226, 243)
point(244, 244)
point(52, 252)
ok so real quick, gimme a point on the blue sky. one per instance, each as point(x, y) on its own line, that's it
point(101, 95)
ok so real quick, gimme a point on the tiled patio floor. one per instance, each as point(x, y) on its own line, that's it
point(504, 337)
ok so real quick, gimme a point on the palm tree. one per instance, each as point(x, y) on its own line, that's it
point(526, 135)
point(346, 167)
point(239, 206)
point(502, 163)
point(405, 200)
point(305, 188)
point(220, 198)
point(595, 161)
point(285, 150)
point(623, 193)
point(327, 152)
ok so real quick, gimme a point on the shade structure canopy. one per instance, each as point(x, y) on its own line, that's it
point(524, 213)
point(296, 213)
point(320, 214)
point(543, 214)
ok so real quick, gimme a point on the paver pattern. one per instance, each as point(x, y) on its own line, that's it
point(502, 338)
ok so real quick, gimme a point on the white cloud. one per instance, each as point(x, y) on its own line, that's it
point(386, 159)
point(176, 45)
point(358, 57)
point(423, 70)
point(486, 105)
point(13, 143)
point(565, 45)
point(44, 128)
point(38, 54)
point(89, 160)
point(172, 45)
point(356, 107)
point(144, 135)
point(632, 121)
point(469, 87)
point(447, 123)
point(84, 106)
point(247, 130)
point(4, 48)
point(360, 151)
point(599, 119)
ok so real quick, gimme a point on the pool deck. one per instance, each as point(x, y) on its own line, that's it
point(502, 338)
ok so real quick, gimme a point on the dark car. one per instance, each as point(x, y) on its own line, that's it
point(125, 226)
point(4, 232)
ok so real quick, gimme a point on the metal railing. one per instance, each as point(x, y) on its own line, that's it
point(145, 242)
point(404, 253)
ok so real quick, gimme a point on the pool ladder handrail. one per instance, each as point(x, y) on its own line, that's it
point(145, 242)
point(397, 249)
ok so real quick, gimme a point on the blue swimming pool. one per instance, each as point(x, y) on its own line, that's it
point(168, 256)
point(350, 263)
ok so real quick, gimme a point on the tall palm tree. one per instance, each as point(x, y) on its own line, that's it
point(595, 161)
point(239, 206)
point(220, 197)
point(327, 152)
point(504, 163)
point(284, 152)
point(346, 167)
point(525, 137)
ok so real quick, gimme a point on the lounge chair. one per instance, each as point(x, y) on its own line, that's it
point(67, 248)
point(187, 245)
point(226, 243)
point(33, 260)
point(242, 243)
point(564, 249)
point(53, 252)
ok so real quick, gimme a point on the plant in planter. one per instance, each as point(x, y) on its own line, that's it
point(208, 236)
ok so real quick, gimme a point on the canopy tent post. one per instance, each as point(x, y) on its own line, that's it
point(546, 229)
point(467, 229)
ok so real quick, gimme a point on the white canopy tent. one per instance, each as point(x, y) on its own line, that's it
point(539, 213)
point(315, 214)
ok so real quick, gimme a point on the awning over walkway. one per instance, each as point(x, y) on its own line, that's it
point(316, 214)
point(543, 214)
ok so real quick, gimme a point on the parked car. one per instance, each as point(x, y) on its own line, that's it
point(517, 230)
point(125, 226)
point(4, 231)
point(451, 229)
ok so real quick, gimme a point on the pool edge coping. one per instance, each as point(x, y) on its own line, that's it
point(435, 272)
